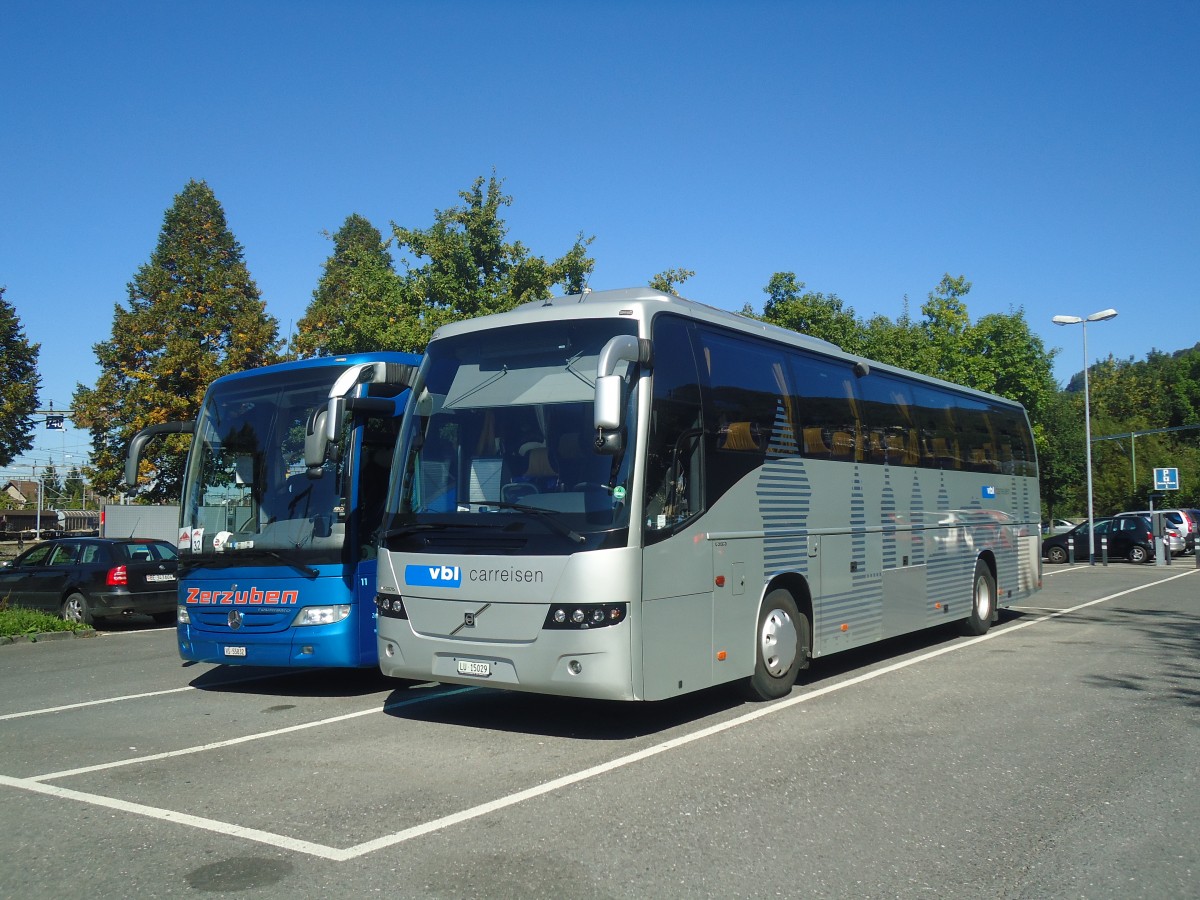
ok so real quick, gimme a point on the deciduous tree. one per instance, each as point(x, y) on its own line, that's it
point(463, 266)
point(813, 313)
point(667, 279)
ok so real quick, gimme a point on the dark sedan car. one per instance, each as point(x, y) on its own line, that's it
point(1129, 537)
point(91, 579)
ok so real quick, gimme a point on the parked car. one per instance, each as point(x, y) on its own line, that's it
point(1190, 539)
point(1179, 519)
point(91, 579)
point(1129, 537)
point(1057, 526)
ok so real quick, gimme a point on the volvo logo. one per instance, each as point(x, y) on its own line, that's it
point(469, 619)
point(235, 619)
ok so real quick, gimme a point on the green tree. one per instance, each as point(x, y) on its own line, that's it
point(463, 265)
point(52, 487)
point(950, 351)
point(73, 487)
point(19, 384)
point(899, 343)
point(359, 303)
point(1010, 360)
point(667, 279)
point(1060, 445)
point(193, 314)
point(820, 315)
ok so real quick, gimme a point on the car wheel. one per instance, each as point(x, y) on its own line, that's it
point(75, 609)
point(1138, 554)
point(983, 601)
point(783, 642)
point(1056, 555)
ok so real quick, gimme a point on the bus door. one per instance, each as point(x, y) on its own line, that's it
point(677, 565)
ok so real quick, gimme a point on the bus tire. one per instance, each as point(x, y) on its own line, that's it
point(782, 643)
point(75, 609)
point(983, 601)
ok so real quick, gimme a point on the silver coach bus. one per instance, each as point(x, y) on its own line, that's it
point(629, 495)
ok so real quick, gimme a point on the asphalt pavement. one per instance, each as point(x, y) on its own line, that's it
point(1053, 757)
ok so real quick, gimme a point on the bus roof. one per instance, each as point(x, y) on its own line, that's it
point(642, 303)
point(342, 360)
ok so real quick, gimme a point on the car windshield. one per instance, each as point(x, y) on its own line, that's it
point(498, 441)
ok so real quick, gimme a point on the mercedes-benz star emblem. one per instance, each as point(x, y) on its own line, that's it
point(235, 619)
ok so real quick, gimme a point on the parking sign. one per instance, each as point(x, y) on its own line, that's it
point(1166, 479)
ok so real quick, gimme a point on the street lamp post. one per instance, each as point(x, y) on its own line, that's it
point(1101, 316)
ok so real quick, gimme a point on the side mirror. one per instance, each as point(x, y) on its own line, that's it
point(315, 441)
point(609, 398)
point(609, 401)
point(133, 455)
point(334, 416)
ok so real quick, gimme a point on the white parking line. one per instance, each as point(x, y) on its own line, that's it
point(246, 738)
point(85, 703)
point(324, 851)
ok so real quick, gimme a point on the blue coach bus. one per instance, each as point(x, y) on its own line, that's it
point(282, 498)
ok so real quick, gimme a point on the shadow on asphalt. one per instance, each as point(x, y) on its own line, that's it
point(494, 709)
point(273, 682)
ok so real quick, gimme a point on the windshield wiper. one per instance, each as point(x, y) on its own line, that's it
point(548, 516)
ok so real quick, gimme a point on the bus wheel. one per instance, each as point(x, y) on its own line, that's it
point(783, 643)
point(983, 601)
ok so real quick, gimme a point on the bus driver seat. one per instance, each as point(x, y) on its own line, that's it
point(539, 476)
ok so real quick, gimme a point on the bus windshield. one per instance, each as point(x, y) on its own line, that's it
point(249, 498)
point(498, 445)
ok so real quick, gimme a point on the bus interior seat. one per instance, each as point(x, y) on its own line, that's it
point(814, 442)
point(843, 444)
point(740, 436)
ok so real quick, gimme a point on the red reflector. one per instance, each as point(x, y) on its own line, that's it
point(117, 577)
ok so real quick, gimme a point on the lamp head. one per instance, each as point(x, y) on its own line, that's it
point(1102, 315)
point(1066, 320)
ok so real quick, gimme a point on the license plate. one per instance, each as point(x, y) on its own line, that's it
point(470, 667)
point(160, 577)
point(235, 651)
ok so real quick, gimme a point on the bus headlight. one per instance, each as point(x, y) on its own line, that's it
point(182, 616)
point(391, 606)
point(321, 615)
point(585, 615)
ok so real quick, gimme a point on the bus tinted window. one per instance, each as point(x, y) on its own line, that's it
point(826, 406)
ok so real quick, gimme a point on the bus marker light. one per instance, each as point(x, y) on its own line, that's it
point(845, 627)
point(720, 581)
point(721, 655)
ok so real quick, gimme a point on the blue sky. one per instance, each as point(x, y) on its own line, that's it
point(1049, 152)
